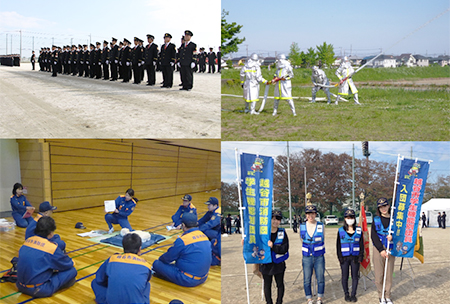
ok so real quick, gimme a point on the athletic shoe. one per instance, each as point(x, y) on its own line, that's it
point(274, 113)
point(389, 301)
point(111, 230)
point(382, 301)
point(310, 301)
point(319, 301)
point(353, 299)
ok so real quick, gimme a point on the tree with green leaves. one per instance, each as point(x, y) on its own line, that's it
point(325, 53)
point(310, 57)
point(229, 39)
point(294, 55)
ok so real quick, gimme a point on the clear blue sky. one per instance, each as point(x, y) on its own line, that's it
point(103, 19)
point(439, 152)
point(361, 26)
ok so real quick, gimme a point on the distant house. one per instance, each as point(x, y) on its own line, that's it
point(268, 61)
point(406, 60)
point(421, 60)
point(443, 60)
point(238, 61)
point(385, 61)
point(355, 60)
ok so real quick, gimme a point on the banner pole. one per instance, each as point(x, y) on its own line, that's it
point(390, 226)
point(238, 179)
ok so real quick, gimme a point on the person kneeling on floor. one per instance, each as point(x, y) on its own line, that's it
point(124, 278)
point(43, 268)
point(191, 253)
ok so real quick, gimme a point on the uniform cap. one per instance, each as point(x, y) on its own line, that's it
point(187, 32)
point(126, 40)
point(79, 225)
point(349, 212)
point(176, 302)
point(105, 42)
point(310, 209)
point(212, 201)
point(167, 35)
point(92, 45)
point(277, 214)
point(382, 202)
point(79, 45)
point(84, 45)
point(189, 219)
point(97, 43)
point(150, 36)
point(136, 39)
point(187, 197)
point(114, 39)
point(45, 206)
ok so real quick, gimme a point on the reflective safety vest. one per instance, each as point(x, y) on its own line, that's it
point(350, 244)
point(278, 258)
point(313, 246)
point(382, 232)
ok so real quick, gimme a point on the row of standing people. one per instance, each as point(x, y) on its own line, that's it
point(349, 251)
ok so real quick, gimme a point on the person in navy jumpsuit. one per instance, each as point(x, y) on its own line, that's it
point(124, 278)
point(20, 205)
point(186, 207)
point(209, 224)
point(42, 267)
point(125, 205)
point(191, 253)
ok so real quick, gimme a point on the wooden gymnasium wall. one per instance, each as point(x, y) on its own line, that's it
point(84, 173)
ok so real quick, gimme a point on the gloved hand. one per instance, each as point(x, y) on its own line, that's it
point(87, 62)
point(69, 61)
point(178, 64)
point(139, 64)
point(154, 63)
point(107, 61)
point(116, 61)
point(192, 65)
point(120, 63)
point(128, 63)
point(81, 62)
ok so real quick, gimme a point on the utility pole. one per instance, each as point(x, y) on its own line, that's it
point(33, 44)
point(289, 186)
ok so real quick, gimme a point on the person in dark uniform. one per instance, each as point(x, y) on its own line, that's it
point(209, 224)
point(80, 61)
point(59, 65)
point(124, 278)
point(424, 220)
point(48, 59)
point(167, 60)
point(219, 60)
point(98, 61)
point(126, 60)
point(20, 205)
point(279, 250)
point(105, 60)
point(228, 221)
point(178, 60)
point(202, 60)
point(63, 58)
point(33, 60)
point(40, 61)
point(137, 59)
point(92, 67)
point(211, 61)
point(439, 218)
point(350, 253)
point(443, 218)
point(125, 205)
point(42, 267)
point(86, 57)
point(237, 224)
point(187, 61)
point(54, 61)
point(295, 224)
point(114, 57)
point(74, 60)
point(151, 56)
point(121, 47)
point(186, 207)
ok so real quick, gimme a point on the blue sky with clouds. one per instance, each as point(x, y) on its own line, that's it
point(360, 26)
point(439, 152)
point(103, 19)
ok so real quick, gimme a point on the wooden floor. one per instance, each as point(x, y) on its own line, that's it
point(88, 256)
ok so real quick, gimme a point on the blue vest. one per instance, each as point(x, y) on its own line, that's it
point(278, 258)
point(350, 244)
point(382, 232)
point(313, 246)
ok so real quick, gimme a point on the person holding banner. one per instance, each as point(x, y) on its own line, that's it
point(350, 252)
point(312, 234)
point(382, 241)
point(279, 247)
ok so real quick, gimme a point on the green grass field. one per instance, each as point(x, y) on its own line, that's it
point(386, 113)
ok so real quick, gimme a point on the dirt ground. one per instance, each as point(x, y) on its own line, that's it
point(431, 280)
point(34, 104)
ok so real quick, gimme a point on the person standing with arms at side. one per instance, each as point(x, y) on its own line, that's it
point(237, 223)
point(382, 241)
point(312, 234)
point(178, 60)
point(295, 224)
point(279, 250)
point(54, 61)
point(424, 220)
point(86, 56)
point(120, 67)
point(187, 61)
point(74, 60)
point(211, 61)
point(137, 57)
point(228, 221)
point(439, 220)
point(443, 218)
point(349, 248)
point(92, 61)
point(126, 60)
point(167, 61)
point(219, 60)
point(114, 57)
point(105, 60)
point(151, 56)
point(80, 60)
point(33, 60)
point(98, 61)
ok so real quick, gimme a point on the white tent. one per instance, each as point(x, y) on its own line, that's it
point(432, 207)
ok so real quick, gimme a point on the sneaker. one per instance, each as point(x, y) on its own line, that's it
point(336, 102)
point(348, 298)
point(319, 301)
point(274, 112)
point(389, 301)
point(382, 301)
point(111, 230)
point(357, 103)
point(295, 114)
point(310, 301)
point(353, 299)
point(312, 101)
point(254, 113)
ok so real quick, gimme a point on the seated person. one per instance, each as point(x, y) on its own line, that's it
point(125, 205)
point(215, 250)
point(42, 267)
point(185, 207)
point(20, 205)
point(191, 253)
point(45, 209)
point(124, 278)
point(209, 224)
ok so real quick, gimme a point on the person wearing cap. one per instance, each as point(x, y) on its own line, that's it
point(92, 61)
point(125, 205)
point(345, 71)
point(187, 61)
point(211, 60)
point(124, 278)
point(350, 252)
point(98, 61)
point(20, 205)
point(279, 250)
point(219, 60)
point(382, 242)
point(80, 61)
point(137, 56)
point(167, 61)
point(42, 267)
point(228, 220)
point(40, 61)
point(126, 60)
point(86, 55)
point(312, 234)
point(209, 224)
point(201, 58)
point(237, 224)
point(151, 57)
point(187, 262)
point(186, 207)
point(45, 209)
point(73, 58)
point(114, 57)
point(33, 60)
point(55, 61)
point(105, 60)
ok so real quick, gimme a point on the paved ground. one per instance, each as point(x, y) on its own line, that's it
point(34, 104)
point(431, 279)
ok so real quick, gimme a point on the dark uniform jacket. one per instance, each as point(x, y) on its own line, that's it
point(187, 53)
point(114, 54)
point(151, 53)
point(105, 55)
point(167, 54)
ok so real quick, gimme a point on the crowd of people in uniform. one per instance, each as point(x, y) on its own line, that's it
point(113, 61)
point(43, 267)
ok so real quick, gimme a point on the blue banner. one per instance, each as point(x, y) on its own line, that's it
point(408, 202)
point(257, 185)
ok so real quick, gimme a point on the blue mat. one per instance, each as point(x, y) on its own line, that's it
point(117, 240)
